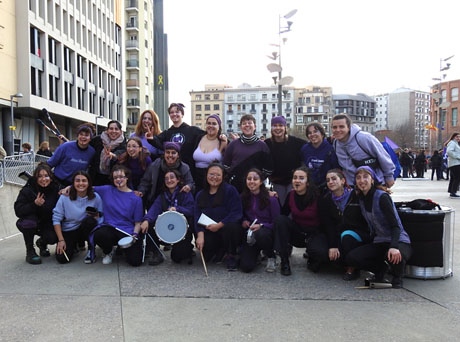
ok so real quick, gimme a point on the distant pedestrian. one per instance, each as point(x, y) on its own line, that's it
point(436, 163)
point(44, 149)
point(420, 164)
point(406, 162)
point(453, 152)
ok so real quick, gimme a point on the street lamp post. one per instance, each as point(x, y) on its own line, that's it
point(10, 148)
point(98, 117)
point(273, 67)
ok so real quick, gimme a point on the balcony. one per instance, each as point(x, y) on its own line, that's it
point(132, 103)
point(132, 84)
point(132, 25)
point(132, 5)
point(132, 63)
point(132, 45)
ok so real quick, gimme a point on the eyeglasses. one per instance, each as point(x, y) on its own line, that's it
point(214, 175)
point(132, 146)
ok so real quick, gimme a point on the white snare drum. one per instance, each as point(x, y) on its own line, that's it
point(126, 242)
point(171, 227)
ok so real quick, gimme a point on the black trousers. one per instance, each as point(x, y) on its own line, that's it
point(454, 181)
point(288, 232)
point(372, 257)
point(347, 244)
point(438, 172)
point(248, 254)
point(227, 238)
point(181, 250)
point(107, 236)
point(44, 229)
point(71, 238)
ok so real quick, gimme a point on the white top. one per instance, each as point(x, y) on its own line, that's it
point(202, 160)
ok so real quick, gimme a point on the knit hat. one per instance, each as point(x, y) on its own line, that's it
point(368, 169)
point(172, 146)
point(278, 120)
point(215, 116)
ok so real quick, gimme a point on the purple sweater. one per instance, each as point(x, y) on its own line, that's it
point(266, 216)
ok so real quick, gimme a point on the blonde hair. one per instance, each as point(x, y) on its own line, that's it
point(44, 145)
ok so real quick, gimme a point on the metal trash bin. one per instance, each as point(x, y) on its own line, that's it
point(433, 256)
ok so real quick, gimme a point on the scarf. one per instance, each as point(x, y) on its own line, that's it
point(104, 163)
point(340, 201)
point(165, 168)
point(250, 140)
point(172, 198)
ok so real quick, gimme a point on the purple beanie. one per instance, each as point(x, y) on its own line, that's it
point(278, 120)
point(172, 146)
point(368, 169)
point(215, 116)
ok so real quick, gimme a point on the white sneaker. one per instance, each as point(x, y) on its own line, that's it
point(271, 265)
point(107, 258)
point(88, 258)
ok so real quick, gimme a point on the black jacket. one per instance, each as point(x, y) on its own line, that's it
point(25, 206)
point(334, 222)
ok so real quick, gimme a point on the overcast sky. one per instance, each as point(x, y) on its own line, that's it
point(353, 46)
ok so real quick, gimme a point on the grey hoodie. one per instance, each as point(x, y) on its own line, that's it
point(368, 147)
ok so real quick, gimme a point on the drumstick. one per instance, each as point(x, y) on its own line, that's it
point(151, 238)
point(253, 223)
point(51, 130)
point(44, 110)
point(122, 231)
point(65, 254)
point(144, 244)
point(204, 263)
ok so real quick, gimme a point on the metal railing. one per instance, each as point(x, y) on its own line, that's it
point(13, 166)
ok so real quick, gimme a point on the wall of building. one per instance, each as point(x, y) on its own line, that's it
point(8, 85)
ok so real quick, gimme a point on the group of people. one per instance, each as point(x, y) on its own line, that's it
point(328, 195)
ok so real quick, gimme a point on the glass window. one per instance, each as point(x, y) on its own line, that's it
point(454, 94)
point(454, 116)
point(216, 107)
point(207, 107)
point(198, 107)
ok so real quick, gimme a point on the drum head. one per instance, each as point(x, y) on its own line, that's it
point(171, 227)
point(126, 242)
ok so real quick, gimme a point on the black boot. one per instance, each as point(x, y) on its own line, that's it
point(285, 268)
point(32, 256)
point(156, 258)
point(44, 251)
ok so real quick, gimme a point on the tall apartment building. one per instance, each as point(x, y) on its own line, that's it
point(207, 102)
point(444, 111)
point(409, 109)
point(360, 107)
point(261, 102)
point(70, 62)
point(313, 103)
point(8, 85)
point(139, 59)
point(381, 112)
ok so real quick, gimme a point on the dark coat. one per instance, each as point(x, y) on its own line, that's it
point(25, 206)
point(334, 222)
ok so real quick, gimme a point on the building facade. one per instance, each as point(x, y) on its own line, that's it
point(70, 63)
point(360, 107)
point(261, 102)
point(139, 59)
point(444, 111)
point(409, 111)
point(313, 103)
point(207, 102)
point(381, 112)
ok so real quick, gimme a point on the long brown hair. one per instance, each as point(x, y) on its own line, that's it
point(451, 138)
point(73, 191)
point(155, 123)
point(124, 157)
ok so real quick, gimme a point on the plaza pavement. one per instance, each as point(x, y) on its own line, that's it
point(78, 302)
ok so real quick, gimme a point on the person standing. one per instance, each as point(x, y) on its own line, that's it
point(420, 164)
point(318, 155)
point(406, 162)
point(285, 150)
point(453, 163)
point(436, 164)
point(355, 148)
point(246, 152)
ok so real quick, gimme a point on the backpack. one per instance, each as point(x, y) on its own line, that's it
point(418, 204)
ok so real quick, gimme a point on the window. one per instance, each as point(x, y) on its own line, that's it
point(197, 107)
point(207, 107)
point(197, 97)
point(454, 116)
point(216, 96)
point(454, 94)
point(216, 107)
point(207, 97)
point(444, 95)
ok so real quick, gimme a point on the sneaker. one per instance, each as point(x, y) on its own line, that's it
point(454, 196)
point(107, 259)
point(156, 258)
point(32, 257)
point(271, 265)
point(396, 282)
point(231, 262)
point(285, 267)
point(353, 275)
point(44, 251)
point(88, 258)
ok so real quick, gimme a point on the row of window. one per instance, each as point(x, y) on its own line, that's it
point(207, 107)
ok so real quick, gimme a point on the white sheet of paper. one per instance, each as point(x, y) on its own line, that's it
point(205, 220)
